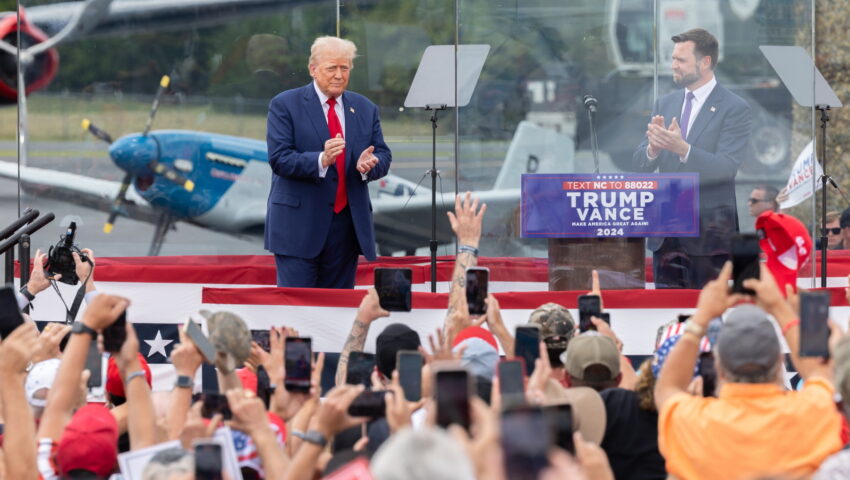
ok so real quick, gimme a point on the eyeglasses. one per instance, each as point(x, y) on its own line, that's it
point(833, 231)
point(754, 201)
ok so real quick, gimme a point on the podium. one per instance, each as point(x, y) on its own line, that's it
point(620, 262)
point(601, 221)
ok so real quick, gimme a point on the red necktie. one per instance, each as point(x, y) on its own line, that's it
point(336, 128)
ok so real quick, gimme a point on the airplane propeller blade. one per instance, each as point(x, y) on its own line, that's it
point(87, 125)
point(118, 203)
point(163, 85)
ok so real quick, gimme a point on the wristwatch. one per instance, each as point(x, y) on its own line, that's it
point(184, 381)
point(694, 329)
point(25, 292)
point(80, 327)
point(315, 437)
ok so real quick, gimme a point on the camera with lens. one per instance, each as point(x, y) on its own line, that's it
point(60, 259)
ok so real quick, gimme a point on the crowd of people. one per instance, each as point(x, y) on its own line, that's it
point(707, 405)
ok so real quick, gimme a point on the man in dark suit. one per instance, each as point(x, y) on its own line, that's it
point(325, 145)
point(702, 128)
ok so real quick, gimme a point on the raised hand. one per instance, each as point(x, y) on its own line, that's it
point(466, 220)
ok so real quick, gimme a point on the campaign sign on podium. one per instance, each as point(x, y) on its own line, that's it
point(610, 205)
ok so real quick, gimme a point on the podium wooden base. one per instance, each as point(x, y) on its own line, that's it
point(619, 261)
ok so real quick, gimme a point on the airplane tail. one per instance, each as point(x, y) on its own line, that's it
point(535, 149)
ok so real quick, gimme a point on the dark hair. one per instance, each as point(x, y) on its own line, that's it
point(770, 193)
point(597, 377)
point(705, 44)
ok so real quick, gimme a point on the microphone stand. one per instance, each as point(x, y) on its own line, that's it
point(590, 106)
point(825, 179)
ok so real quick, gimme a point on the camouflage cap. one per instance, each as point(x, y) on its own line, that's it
point(556, 324)
point(229, 334)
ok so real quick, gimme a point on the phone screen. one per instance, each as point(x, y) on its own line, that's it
point(745, 261)
point(511, 382)
point(526, 439)
point(94, 365)
point(115, 334)
point(370, 403)
point(560, 419)
point(193, 330)
point(262, 339)
point(477, 279)
point(527, 346)
point(393, 286)
point(814, 324)
point(10, 313)
point(453, 398)
point(409, 366)
point(588, 306)
point(299, 354)
point(214, 402)
point(360, 368)
point(208, 461)
point(264, 386)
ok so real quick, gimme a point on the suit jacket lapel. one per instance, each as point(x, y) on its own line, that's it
point(351, 132)
point(316, 113)
point(706, 114)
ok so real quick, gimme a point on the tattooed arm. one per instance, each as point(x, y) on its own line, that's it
point(369, 311)
point(466, 223)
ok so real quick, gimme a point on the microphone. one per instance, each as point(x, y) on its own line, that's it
point(590, 103)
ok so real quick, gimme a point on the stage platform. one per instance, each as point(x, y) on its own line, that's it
point(165, 291)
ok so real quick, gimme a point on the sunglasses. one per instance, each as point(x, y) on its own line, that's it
point(834, 231)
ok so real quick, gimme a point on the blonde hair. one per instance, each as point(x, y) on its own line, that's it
point(327, 44)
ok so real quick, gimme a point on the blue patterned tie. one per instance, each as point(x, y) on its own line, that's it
point(686, 115)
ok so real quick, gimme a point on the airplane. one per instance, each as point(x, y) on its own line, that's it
point(44, 27)
point(222, 182)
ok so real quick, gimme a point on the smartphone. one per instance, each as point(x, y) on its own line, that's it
point(814, 324)
point(360, 368)
point(115, 334)
point(476, 289)
point(393, 286)
point(453, 388)
point(526, 439)
point(370, 403)
point(527, 346)
point(588, 306)
point(560, 420)
point(409, 365)
point(10, 313)
point(511, 382)
point(605, 317)
point(194, 332)
point(299, 354)
point(214, 402)
point(262, 339)
point(264, 386)
point(745, 261)
point(94, 364)
point(208, 461)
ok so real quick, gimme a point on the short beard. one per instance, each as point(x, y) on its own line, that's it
point(688, 80)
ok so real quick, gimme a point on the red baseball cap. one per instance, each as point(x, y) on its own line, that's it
point(476, 332)
point(89, 442)
point(114, 384)
point(787, 245)
point(248, 379)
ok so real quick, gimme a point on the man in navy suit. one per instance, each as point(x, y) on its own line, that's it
point(702, 128)
point(325, 146)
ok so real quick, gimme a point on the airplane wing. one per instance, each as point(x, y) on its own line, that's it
point(78, 189)
point(400, 223)
point(130, 16)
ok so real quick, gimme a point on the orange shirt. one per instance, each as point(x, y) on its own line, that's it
point(750, 430)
